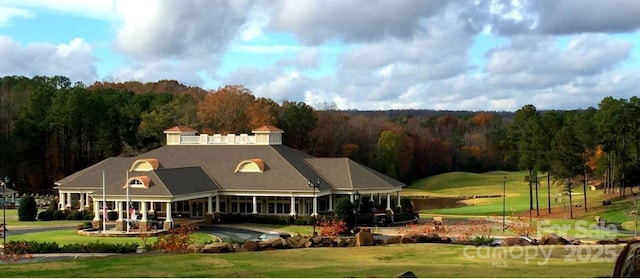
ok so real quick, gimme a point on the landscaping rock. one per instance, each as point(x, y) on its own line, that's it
point(393, 239)
point(407, 274)
point(276, 243)
point(298, 242)
point(553, 239)
point(514, 241)
point(628, 261)
point(218, 247)
point(364, 238)
point(195, 247)
point(251, 246)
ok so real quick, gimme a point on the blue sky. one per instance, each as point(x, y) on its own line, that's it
point(359, 54)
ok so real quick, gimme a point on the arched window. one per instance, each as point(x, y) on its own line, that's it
point(138, 182)
point(251, 165)
point(144, 165)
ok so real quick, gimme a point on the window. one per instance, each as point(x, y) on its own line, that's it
point(244, 205)
point(280, 205)
point(181, 206)
point(252, 165)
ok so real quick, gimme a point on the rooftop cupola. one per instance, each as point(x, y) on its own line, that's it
point(265, 135)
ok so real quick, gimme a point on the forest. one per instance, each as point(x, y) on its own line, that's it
point(51, 127)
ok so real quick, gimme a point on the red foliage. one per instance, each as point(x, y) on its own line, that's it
point(177, 240)
point(332, 227)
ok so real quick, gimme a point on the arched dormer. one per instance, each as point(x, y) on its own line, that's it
point(144, 165)
point(251, 165)
point(142, 181)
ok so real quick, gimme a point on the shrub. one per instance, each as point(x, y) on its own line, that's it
point(87, 225)
point(344, 211)
point(45, 216)
point(28, 210)
point(177, 240)
point(59, 215)
point(304, 220)
point(332, 227)
point(77, 215)
point(99, 247)
point(112, 215)
point(87, 217)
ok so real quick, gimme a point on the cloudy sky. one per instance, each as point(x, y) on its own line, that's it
point(356, 54)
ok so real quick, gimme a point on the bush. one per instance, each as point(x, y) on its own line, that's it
point(87, 217)
point(112, 215)
point(87, 225)
point(59, 215)
point(28, 210)
point(45, 216)
point(77, 215)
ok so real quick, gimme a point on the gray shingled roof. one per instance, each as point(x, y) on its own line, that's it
point(188, 169)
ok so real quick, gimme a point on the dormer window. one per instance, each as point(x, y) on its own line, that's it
point(144, 165)
point(138, 182)
point(251, 165)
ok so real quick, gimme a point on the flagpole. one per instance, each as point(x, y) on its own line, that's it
point(127, 209)
point(104, 204)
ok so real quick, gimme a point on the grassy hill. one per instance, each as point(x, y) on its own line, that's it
point(481, 194)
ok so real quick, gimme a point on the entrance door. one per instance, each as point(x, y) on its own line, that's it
point(197, 209)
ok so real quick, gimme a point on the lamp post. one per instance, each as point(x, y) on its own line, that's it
point(356, 201)
point(4, 181)
point(314, 213)
point(504, 196)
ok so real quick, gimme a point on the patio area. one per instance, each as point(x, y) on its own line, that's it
point(111, 231)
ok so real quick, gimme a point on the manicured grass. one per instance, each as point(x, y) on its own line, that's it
point(459, 184)
point(425, 260)
point(63, 237)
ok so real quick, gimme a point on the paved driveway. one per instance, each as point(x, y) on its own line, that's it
point(229, 233)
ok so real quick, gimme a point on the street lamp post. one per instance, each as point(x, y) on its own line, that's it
point(4, 181)
point(356, 201)
point(504, 196)
point(314, 213)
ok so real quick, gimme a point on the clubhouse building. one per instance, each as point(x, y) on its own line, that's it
point(203, 176)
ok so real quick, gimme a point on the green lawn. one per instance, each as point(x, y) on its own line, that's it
point(425, 260)
point(459, 184)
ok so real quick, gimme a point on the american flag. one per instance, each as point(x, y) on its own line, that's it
point(132, 210)
point(105, 212)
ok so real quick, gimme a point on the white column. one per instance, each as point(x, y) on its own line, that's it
point(169, 217)
point(388, 201)
point(292, 208)
point(351, 198)
point(81, 201)
point(217, 203)
point(255, 205)
point(371, 197)
point(96, 209)
point(331, 202)
point(379, 198)
point(143, 208)
point(151, 208)
point(119, 206)
point(398, 204)
point(209, 205)
point(68, 201)
point(86, 200)
point(315, 206)
point(61, 201)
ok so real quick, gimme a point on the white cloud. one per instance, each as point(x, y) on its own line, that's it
point(8, 13)
point(98, 9)
point(73, 60)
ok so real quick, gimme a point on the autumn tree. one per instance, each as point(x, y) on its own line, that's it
point(227, 110)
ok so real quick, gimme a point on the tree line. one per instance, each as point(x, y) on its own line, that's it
point(51, 128)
